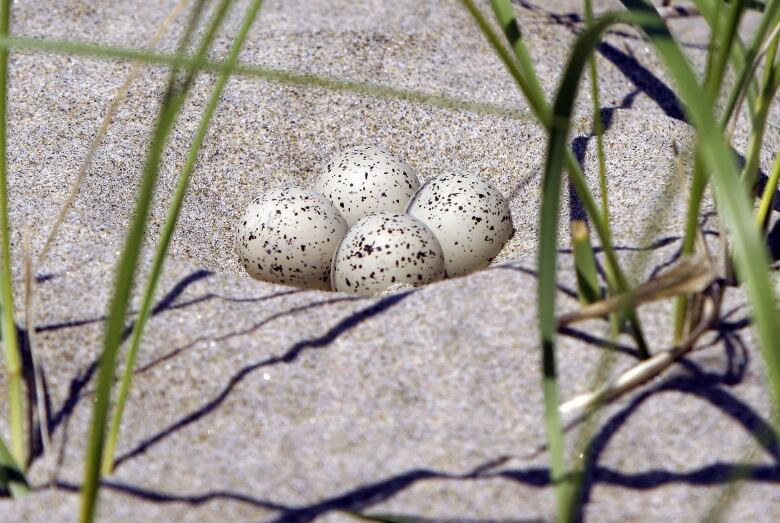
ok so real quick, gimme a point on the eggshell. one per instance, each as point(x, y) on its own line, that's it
point(365, 180)
point(289, 235)
point(385, 249)
point(468, 215)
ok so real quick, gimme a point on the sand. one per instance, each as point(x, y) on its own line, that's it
point(258, 402)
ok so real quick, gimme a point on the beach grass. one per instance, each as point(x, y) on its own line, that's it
point(166, 234)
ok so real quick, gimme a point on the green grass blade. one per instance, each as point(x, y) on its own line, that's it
point(750, 254)
point(11, 476)
point(743, 64)
point(753, 155)
point(172, 102)
point(280, 76)
point(588, 287)
point(723, 44)
point(725, 41)
point(167, 233)
point(13, 360)
point(548, 248)
point(598, 126)
point(762, 217)
point(527, 80)
point(531, 89)
point(505, 15)
point(751, 259)
point(581, 450)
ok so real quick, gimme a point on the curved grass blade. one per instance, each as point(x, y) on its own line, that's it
point(616, 279)
point(769, 19)
point(722, 44)
point(13, 360)
point(750, 254)
point(167, 234)
point(582, 450)
point(557, 146)
point(172, 102)
point(505, 15)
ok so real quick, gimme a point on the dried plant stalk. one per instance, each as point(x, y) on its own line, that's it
point(119, 97)
point(692, 274)
point(29, 324)
point(580, 406)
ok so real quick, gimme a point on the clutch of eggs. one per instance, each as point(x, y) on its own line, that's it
point(368, 225)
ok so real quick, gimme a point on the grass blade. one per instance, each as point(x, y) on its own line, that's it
point(525, 76)
point(723, 44)
point(13, 360)
point(582, 450)
point(11, 476)
point(167, 234)
point(557, 146)
point(598, 130)
point(770, 19)
point(750, 254)
point(172, 102)
point(768, 198)
point(505, 15)
point(765, 99)
point(588, 287)
point(281, 76)
point(725, 40)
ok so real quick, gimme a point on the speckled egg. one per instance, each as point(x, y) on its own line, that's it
point(366, 180)
point(468, 215)
point(385, 249)
point(289, 235)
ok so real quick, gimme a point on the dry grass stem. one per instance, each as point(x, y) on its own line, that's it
point(580, 406)
point(29, 324)
point(692, 274)
point(119, 97)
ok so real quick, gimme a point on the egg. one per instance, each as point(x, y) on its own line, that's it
point(366, 180)
point(384, 249)
point(469, 216)
point(289, 235)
